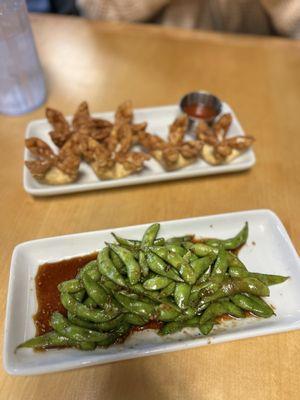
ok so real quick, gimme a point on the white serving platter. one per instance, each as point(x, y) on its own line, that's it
point(159, 119)
point(268, 249)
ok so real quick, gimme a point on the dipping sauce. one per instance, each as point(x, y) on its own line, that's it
point(49, 275)
point(199, 110)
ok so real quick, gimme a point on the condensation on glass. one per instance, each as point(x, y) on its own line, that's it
point(22, 85)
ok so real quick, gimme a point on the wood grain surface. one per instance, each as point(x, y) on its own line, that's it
point(105, 64)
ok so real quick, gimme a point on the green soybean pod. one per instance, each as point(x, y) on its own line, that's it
point(80, 322)
point(150, 235)
point(170, 327)
point(145, 310)
point(176, 326)
point(234, 261)
point(61, 325)
point(165, 312)
point(132, 266)
point(143, 263)
point(232, 286)
point(50, 339)
point(233, 309)
point(107, 268)
point(168, 290)
point(109, 285)
point(156, 283)
point(89, 302)
point(253, 304)
point(268, 279)
point(177, 262)
point(139, 289)
point(179, 239)
point(134, 319)
point(213, 242)
point(103, 326)
point(237, 272)
point(176, 248)
point(159, 242)
point(185, 270)
point(130, 244)
point(91, 269)
point(187, 245)
point(182, 295)
point(187, 314)
point(202, 249)
point(95, 291)
point(111, 324)
point(79, 296)
point(238, 240)
point(86, 313)
point(201, 265)
point(118, 263)
point(195, 295)
point(213, 310)
point(70, 286)
point(87, 346)
point(190, 256)
point(159, 266)
point(221, 264)
point(206, 328)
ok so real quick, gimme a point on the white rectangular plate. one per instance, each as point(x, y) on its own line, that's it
point(268, 250)
point(158, 118)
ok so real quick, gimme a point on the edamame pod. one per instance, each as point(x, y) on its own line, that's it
point(182, 295)
point(95, 291)
point(70, 286)
point(221, 264)
point(253, 304)
point(168, 290)
point(202, 249)
point(86, 313)
point(50, 339)
point(157, 265)
point(132, 266)
point(107, 268)
point(61, 325)
point(143, 263)
point(201, 265)
point(141, 308)
point(150, 235)
point(156, 283)
point(206, 328)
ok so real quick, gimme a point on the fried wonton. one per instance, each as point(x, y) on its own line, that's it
point(49, 168)
point(175, 153)
point(217, 149)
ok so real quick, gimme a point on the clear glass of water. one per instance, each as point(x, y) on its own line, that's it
point(22, 85)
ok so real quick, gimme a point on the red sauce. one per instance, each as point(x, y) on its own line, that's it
point(199, 110)
point(49, 275)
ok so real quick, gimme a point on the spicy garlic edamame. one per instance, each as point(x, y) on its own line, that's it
point(177, 282)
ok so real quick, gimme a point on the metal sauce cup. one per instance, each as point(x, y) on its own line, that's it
point(203, 99)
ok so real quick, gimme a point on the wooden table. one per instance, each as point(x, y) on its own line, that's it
point(105, 64)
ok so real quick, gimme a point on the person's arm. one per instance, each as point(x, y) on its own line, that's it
point(285, 16)
point(120, 10)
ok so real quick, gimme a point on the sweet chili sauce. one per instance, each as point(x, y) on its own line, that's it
point(199, 110)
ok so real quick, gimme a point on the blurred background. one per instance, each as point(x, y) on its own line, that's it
point(262, 17)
